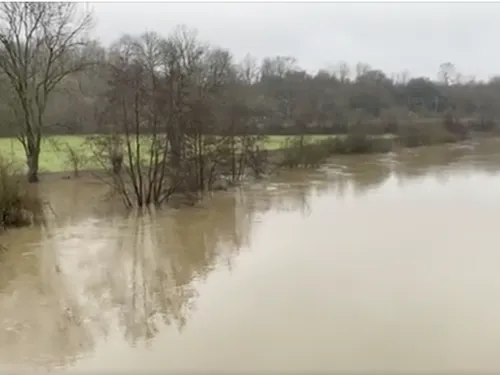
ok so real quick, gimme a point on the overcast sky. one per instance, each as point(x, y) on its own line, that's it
point(389, 36)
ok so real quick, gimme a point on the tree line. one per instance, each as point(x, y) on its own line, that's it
point(183, 92)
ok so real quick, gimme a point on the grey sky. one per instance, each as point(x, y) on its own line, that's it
point(389, 36)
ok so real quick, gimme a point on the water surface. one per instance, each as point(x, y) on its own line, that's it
point(372, 263)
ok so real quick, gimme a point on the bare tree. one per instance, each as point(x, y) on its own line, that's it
point(74, 155)
point(176, 111)
point(41, 44)
point(447, 73)
point(361, 69)
point(401, 78)
point(343, 71)
point(248, 70)
point(133, 124)
point(181, 63)
point(278, 66)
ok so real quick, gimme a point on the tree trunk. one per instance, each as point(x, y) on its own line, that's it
point(175, 149)
point(32, 161)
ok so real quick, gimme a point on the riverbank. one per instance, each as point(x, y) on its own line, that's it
point(314, 151)
point(59, 153)
point(314, 154)
point(305, 152)
point(311, 154)
point(65, 153)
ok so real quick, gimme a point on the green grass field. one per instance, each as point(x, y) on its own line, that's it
point(54, 161)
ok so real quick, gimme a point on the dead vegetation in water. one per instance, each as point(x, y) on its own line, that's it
point(19, 205)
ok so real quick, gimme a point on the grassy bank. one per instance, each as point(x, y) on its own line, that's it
point(17, 206)
point(58, 159)
point(53, 160)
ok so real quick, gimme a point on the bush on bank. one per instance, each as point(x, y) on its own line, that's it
point(358, 140)
point(18, 205)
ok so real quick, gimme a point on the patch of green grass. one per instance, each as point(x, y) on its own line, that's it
point(52, 160)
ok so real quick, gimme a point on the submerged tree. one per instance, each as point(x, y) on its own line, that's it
point(41, 44)
point(170, 117)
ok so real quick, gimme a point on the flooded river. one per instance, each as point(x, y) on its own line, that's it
point(371, 264)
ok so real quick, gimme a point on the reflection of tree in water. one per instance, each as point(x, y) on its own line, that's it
point(74, 200)
point(295, 199)
point(281, 197)
point(361, 173)
point(170, 251)
point(160, 286)
point(145, 275)
point(41, 322)
point(294, 190)
point(364, 172)
point(336, 183)
point(367, 176)
point(426, 161)
point(486, 160)
point(149, 276)
point(358, 174)
point(64, 290)
point(222, 228)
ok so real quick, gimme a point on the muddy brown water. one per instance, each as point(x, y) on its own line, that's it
point(372, 263)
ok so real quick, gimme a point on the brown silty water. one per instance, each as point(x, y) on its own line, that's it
point(371, 263)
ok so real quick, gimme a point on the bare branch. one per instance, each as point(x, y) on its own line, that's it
point(40, 45)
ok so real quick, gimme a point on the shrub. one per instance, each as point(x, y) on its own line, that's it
point(299, 152)
point(18, 206)
point(415, 135)
point(74, 155)
point(357, 144)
